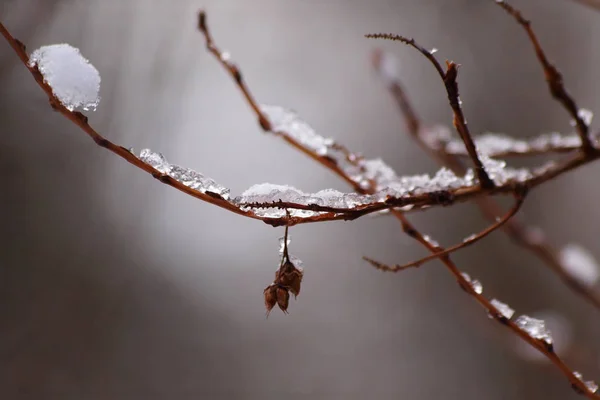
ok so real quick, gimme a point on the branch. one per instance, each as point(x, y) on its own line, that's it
point(323, 213)
point(519, 233)
point(451, 85)
point(553, 77)
point(519, 198)
point(539, 344)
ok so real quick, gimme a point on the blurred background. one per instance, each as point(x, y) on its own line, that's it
point(113, 286)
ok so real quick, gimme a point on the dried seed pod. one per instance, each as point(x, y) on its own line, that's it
point(290, 277)
point(283, 298)
point(270, 294)
point(292, 280)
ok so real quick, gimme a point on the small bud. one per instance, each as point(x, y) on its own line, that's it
point(283, 298)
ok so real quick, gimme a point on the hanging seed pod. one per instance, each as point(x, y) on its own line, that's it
point(270, 294)
point(283, 298)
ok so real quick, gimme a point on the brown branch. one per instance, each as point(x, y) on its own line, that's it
point(81, 121)
point(449, 78)
point(426, 200)
point(329, 213)
point(518, 232)
point(553, 78)
point(519, 198)
point(410, 230)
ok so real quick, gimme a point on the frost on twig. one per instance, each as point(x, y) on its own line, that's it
point(536, 328)
point(498, 145)
point(562, 336)
point(590, 385)
point(188, 177)
point(504, 310)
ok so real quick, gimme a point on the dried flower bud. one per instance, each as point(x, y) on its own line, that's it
point(270, 293)
point(283, 298)
point(290, 277)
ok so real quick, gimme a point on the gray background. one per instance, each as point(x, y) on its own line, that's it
point(113, 286)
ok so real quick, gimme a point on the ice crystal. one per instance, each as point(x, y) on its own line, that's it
point(271, 193)
point(431, 241)
point(470, 238)
point(585, 115)
point(475, 284)
point(186, 176)
point(503, 309)
point(74, 81)
point(155, 160)
point(536, 328)
point(562, 336)
point(285, 121)
point(590, 385)
point(283, 244)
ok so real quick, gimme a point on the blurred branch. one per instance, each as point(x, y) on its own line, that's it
point(500, 146)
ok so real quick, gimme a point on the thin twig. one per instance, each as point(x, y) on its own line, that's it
point(410, 230)
point(519, 198)
point(450, 83)
point(553, 78)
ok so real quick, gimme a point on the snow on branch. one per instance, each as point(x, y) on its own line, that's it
point(494, 308)
point(71, 82)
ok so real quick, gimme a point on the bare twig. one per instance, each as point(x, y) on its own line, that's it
point(449, 77)
point(519, 198)
point(553, 77)
point(410, 230)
